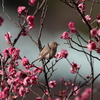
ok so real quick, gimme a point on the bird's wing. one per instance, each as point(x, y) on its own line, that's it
point(44, 52)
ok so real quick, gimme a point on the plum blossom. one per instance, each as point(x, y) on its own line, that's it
point(31, 2)
point(30, 21)
point(26, 81)
point(58, 99)
point(22, 10)
point(24, 61)
point(52, 84)
point(3, 95)
point(98, 32)
point(72, 27)
point(8, 36)
point(34, 79)
point(5, 52)
point(86, 94)
point(76, 91)
point(38, 98)
point(24, 33)
point(98, 18)
point(38, 70)
point(29, 66)
point(1, 20)
point(11, 70)
point(50, 98)
point(93, 32)
point(78, 98)
point(62, 54)
point(73, 30)
point(74, 67)
point(91, 46)
point(88, 18)
point(81, 7)
point(22, 91)
point(98, 49)
point(2, 72)
point(65, 35)
point(12, 51)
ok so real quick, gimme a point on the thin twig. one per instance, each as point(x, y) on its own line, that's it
point(3, 9)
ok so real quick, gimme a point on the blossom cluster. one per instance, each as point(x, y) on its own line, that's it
point(74, 68)
point(66, 35)
point(62, 54)
point(22, 12)
point(85, 95)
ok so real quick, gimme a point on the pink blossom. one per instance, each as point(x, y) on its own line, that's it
point(3, 95)
point(14, 52)
point(38, 98)
point(11, 70)
point(65, 35)
point(86, 94)
point(71, 25)
point(8, 36)
point(62, 54)
point(74, 68)
point(34, 79)
point(91, 46)
point(52, 84)
point(26, 81)
point(11, 51)
point(24, 33)
point(78, 98)
point(46, 92)
point(98, 32)
point(30, 20)
point(50, 98)
point(6, 90)
point(58, 99)
point(10, 81)
point(2, 72)
point(76, 91)
point(88, 18)
point(22, 10)
point(27, 90)
point(73, 30)
point(24, 61)
point(93, 32)
point(29, 66)
point(1, 20)
point(22, 91)
point(81, 7)
point(38, 70)
point(98, 18)
point(5, 52)
point(98, 49)
point(72, 84)
point(31, 2)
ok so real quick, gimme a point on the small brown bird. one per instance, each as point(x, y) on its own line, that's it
point(48, 52)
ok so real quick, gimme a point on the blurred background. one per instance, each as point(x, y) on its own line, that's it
point(57, 18)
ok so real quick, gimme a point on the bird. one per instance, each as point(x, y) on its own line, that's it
point(48, 52)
